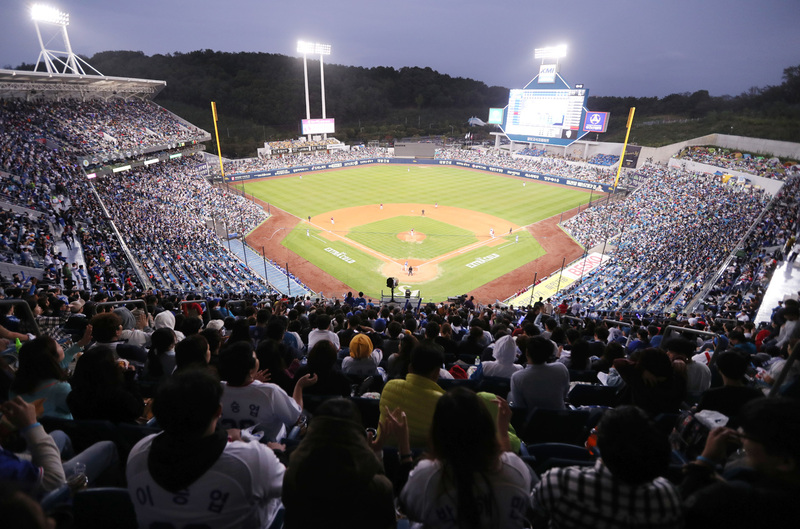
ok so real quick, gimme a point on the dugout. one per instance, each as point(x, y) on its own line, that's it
point(415, 150)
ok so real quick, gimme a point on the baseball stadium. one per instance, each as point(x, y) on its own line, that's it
point(194, 340)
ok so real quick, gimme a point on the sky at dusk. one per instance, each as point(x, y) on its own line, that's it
point(615, 47)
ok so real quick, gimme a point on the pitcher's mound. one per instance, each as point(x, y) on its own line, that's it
point(406, 236)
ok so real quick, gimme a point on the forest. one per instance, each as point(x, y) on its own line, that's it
point(260, 97)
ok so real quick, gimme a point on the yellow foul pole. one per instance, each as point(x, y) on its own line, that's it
point(216, 133)
point(624, 145)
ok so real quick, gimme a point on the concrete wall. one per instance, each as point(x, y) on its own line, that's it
point(587, 149)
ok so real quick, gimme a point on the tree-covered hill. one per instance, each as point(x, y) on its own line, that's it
point(260, 96)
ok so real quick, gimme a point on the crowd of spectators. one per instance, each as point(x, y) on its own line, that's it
point(299, 143)
point(24, 239)
point(741, 286)
point(767, 167)
point(546, 165)
point(668, 236)
point(528, 151)
point(40, 174)
point(102, 127)
point(603, 159)
point(165, 214)
point(453, 414)
point(248, 165)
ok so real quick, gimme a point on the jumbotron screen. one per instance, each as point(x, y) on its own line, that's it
point(551, 116)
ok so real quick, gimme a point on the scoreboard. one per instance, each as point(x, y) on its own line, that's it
point(545, 113)
point(547, 110)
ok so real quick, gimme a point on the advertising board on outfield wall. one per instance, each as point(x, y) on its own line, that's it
point(572, 182)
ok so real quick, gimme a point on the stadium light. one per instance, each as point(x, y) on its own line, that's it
point(44, 14)
point(551, 52)
point(49, 14)
point(316, 48)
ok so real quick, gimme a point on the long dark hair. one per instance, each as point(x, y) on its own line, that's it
point(38, 361)
point(162, 340)
point(95, 370)
point(464, 439)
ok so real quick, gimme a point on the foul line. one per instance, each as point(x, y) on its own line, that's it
point(386, 258)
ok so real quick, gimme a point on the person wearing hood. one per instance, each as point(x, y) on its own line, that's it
point(505, 354)
point(193, 473)
point(167, 319)
point(130, 333)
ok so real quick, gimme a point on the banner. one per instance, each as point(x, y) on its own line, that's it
point(572, 182)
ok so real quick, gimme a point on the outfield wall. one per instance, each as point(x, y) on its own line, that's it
point(571, 182)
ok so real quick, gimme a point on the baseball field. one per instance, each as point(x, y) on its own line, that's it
point(454, 229)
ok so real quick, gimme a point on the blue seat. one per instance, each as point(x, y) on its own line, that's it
point(500, 386)
point(104, 507)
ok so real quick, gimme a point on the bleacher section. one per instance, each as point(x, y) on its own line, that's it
point(604, 159)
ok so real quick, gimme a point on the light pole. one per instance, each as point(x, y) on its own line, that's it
point(319, 49)
point(73, 64)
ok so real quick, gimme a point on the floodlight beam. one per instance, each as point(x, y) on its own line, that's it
point(551, 52)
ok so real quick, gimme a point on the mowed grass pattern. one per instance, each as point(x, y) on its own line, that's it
point(522, 203)
point(440, 238)
point(497, 195)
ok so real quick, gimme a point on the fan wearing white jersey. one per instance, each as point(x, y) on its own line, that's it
point(191, 475)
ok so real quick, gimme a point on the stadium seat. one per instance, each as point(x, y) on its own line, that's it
point(592, 395)
point(500, 386)
point(555, 426)
point(447, 383)
point(101, 508)
point(553, 455)
point(588, 376)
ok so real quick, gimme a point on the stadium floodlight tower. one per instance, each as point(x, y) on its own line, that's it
point(71, 63)
point(318, 49)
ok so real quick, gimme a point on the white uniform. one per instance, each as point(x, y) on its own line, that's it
point(503, 506)
point(241, 489)
point(258, 403)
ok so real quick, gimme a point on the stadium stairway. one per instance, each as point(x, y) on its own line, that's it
point(275, 276)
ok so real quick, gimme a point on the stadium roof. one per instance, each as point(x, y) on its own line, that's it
point(25, 85)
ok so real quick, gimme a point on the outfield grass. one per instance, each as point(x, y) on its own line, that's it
point(440, 238)
point(496, 195)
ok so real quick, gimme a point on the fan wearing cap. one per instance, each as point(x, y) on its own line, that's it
point(363, 359)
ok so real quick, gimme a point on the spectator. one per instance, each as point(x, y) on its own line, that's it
point(249, 400)
point(416, 395)
point(540, 385)
point(363, 360)
point(505, 355)
point(322, 363)
point(40, 377)
point(103, 390)
point(333, 465)
point(222, 483)
point(768, 433)
point(473, 479)
point(622, 489)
